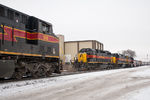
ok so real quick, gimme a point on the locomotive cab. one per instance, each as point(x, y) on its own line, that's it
point(36, 27)
point(86, 55)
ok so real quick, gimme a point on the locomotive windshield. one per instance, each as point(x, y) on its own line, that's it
point(85, 50)
point(88, 51)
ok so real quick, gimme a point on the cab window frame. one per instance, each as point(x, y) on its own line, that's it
point(45, 28)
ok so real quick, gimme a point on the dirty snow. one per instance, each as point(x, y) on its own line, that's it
point(119, 84)
point(14, 87)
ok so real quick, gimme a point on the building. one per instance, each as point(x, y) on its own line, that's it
point(61, 47)
point(72, 48)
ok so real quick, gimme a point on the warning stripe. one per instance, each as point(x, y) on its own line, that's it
point(26, 54)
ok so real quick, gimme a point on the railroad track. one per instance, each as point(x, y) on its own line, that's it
point(53, 75)
point(64, 73)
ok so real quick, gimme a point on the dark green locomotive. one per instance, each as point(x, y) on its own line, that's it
point(28, 45)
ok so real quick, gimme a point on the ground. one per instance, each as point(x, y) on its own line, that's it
point(118, 84)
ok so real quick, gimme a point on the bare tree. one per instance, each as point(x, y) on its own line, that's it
point(129, 52)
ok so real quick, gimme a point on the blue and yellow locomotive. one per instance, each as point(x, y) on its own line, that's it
point(93, 59)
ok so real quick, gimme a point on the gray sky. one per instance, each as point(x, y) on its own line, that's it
point(118, 24)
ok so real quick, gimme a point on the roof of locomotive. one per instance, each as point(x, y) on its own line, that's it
point(24, 14)
point(87, 49)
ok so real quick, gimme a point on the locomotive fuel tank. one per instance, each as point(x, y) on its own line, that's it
point(7, 68)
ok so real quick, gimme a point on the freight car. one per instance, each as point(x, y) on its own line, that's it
point(93, 58)
point(28, 46)
point(137, 63)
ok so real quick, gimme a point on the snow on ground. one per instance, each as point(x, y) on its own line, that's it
point(14, 87)
point(118, 84)
point(142, 94)
point(141, 73)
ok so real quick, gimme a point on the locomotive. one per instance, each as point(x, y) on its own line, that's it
point(93, 58)
point(28, 46)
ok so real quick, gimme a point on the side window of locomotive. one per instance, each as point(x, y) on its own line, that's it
point(2, 11)
point(10, 14)
point(45, 28)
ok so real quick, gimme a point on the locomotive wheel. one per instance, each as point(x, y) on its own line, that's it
point(40, 72)
point(18, 74)
point(50, 69)
point(48, 73)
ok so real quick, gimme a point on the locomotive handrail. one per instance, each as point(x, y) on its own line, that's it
point(12, 35)
point(34, 30)
point(3, 33)
point(0, 39)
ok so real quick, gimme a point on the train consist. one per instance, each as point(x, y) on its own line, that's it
point(28, 46)
point(92, 58)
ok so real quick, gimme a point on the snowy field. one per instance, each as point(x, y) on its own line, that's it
point(118, 84)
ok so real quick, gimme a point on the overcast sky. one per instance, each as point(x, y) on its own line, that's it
point(118, 24)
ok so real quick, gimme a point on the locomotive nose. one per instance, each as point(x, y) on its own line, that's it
point(82, 57)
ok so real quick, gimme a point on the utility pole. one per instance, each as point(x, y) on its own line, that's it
point(147, 59)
